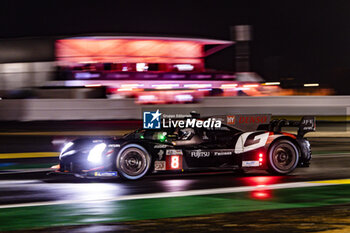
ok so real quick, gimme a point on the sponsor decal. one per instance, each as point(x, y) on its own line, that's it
point(151, 120)
point(250, 163)
point(252, 119)
point(308, 128)
point(308, 124)
point(231, 120)
point(160, 154)
point(199, 154)
point(173, 152)
point(105, 174)
point(159, 146)
point(114, 145)
point(159, 166)
point(222, 153)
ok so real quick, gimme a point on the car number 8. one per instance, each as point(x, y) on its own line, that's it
point(175, 161)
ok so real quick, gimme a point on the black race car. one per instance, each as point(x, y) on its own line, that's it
point(189, 149)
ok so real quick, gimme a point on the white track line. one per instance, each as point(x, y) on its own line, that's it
point(172, 194)
point(334, 155)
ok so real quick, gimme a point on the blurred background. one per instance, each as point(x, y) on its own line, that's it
point(79, 69)
point(90, 68)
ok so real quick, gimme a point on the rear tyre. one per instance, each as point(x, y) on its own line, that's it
point(283, 157)
point(133, 162)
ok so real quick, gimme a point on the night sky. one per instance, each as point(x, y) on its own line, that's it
point(305, 40)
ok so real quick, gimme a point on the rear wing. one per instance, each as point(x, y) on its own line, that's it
point(305, 125)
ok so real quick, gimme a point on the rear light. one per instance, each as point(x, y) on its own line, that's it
point(261, 159)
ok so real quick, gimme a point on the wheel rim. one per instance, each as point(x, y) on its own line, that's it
point(133, 162)
point(284, 157)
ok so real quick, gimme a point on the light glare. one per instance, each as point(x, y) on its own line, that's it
point(311, 84)
point(68, 145)
point(96, 153)
point(272, 83)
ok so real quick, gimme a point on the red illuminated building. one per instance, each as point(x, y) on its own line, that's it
point(137, 58)
point(140, 54)
point(153, 69)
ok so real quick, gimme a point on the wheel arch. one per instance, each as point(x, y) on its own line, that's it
point(147, 146)
point(285, 137)
point(130, 145)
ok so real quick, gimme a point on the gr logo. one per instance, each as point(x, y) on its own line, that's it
point(243, 145)
point(151, 120)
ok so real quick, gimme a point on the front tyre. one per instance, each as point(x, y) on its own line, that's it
point(133, 162)
point(283, 157)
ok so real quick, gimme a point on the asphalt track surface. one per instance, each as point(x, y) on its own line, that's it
point(331, 160)
point(38, 187)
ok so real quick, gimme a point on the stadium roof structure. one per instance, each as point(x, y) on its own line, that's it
point(136, 49)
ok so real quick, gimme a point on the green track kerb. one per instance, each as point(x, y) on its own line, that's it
point(119, 211)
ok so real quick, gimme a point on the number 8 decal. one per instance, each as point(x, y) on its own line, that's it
point(175, 161)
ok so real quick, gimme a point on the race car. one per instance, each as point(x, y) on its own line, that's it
point(178, 150)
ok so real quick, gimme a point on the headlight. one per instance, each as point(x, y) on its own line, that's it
point(95, 153)
point(67, 153)
point(65, 148)
point(69, 144)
